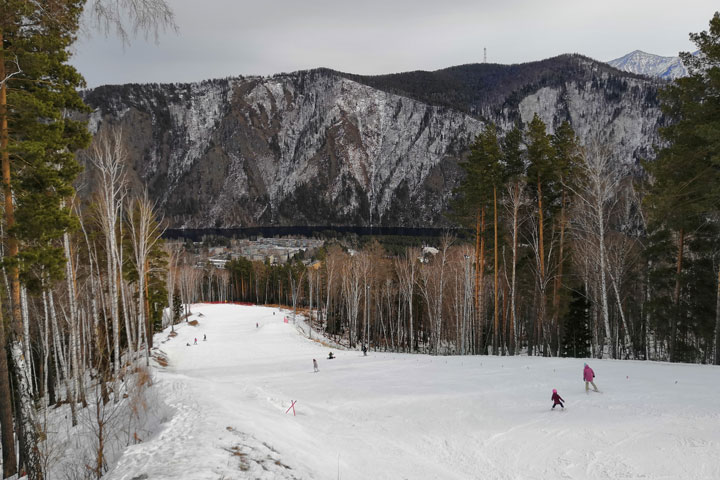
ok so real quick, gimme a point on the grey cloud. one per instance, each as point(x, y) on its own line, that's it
point(219, 38)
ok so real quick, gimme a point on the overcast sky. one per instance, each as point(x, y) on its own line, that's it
point(220, 38)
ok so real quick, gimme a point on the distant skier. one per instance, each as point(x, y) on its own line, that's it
point(330, 356)
point(204, 337)
point(588, 376)
point(364, 350)
point(315, 366)
point(257, 325)
point(195, 340)
point(557, 400)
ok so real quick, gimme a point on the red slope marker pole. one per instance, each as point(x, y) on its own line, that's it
point(292, 406)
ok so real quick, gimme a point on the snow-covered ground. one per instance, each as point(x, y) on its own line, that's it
point(398, 416)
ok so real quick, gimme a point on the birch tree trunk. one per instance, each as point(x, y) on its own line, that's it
point(62, 359)
point(9, 458)
point(144, 233)
point(406, 270)
point(603, 281)
point(717, 322)
point(108, 156)
point(26, 334)
point(311, 276)
point(676, 295)
point(495, 286)
point(73, 316)
point(597, 195)
point(516, 200)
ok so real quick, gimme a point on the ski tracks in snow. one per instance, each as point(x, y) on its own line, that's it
point(193, 445)
point(165, 454)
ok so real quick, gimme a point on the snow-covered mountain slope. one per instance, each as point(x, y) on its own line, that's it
point(668, 68)
point(324, 148)
point(391, 416)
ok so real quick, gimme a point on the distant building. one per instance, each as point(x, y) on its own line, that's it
point(218, 262)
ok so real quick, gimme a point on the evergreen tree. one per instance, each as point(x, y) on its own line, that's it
point(488, 160)
point(576, 332)
point(514, 164)
point(542, 179)
point(37, 141)
point(513, 154)
point(566, 158)
point(177, 307)
point(475, 195)
point(683, 195)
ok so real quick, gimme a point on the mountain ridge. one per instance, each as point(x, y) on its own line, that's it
point(643, 63)
point(320, 147)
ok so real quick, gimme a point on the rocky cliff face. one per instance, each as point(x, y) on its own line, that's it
point(320, 148)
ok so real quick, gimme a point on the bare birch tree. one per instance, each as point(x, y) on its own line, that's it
point(406, 269)
point(332, 264)
point(108, 155)
point(129, 17)
point(596, 192)
point(173, 253)
point(145, 232)
point(515, 200)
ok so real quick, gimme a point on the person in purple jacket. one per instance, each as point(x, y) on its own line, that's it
point(557, 399)
point(588, 376)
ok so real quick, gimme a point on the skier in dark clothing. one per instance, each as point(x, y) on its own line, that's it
point(331, 356)
point(364, 350)
point(557, 400)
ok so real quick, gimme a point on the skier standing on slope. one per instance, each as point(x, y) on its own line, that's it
point(588, 376)
point(315, 366)
point(557, 400)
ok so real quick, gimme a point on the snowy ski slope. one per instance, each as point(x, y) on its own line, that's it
point(398, 416)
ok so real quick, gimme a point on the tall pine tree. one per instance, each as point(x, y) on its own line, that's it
point(474, 197)
point(683, 197)
point(37, 142)
point(567, 156)
point(542, 180)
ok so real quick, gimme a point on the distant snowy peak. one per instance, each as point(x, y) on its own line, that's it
point(668, 68)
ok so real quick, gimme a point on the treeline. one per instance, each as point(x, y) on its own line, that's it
point(488, 87)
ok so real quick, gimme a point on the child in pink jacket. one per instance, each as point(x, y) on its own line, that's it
point(557, 400)
point(588, 376)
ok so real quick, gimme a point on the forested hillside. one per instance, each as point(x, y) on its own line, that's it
point(323, 148)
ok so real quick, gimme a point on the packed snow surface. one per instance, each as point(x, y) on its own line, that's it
point(402, 416)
